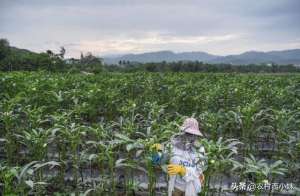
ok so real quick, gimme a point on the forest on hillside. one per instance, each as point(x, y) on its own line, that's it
point(14, 59)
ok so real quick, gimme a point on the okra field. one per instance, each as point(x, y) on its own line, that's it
point(90, 134)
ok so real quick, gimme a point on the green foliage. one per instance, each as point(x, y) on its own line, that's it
point(196, 66)
point(14, 59)
point(78, 133)
point(220, 153)
point(261, 169)
point(4, 49)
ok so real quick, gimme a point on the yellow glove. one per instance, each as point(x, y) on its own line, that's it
point(157, 147)
point(174, 169)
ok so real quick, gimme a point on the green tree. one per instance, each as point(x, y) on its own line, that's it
point(4, 48)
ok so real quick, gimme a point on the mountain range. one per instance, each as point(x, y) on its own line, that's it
point(250, 57)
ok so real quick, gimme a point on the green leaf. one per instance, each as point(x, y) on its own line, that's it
point(86, 193)
point(123, 137)
point(24, 170)
point(29, 183)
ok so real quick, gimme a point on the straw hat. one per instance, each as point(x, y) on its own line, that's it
point(190, 125)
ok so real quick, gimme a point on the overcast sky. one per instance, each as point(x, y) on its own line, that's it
point(133, 26)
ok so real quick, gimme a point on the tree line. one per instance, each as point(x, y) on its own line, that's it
point(14, 59)
point(196, 66)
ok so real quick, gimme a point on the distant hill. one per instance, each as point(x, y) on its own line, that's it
point(160, 56)
point(20, 52)
point(254, 57)
point(250, 57)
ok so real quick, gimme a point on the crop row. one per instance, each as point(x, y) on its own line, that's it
point(90, 134)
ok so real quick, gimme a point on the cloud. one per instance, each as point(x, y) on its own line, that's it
point(145, 43)
point(125, 26)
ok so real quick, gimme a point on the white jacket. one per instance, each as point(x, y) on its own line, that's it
point(194, 161)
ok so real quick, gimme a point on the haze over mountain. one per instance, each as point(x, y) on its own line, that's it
point(250, 57)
